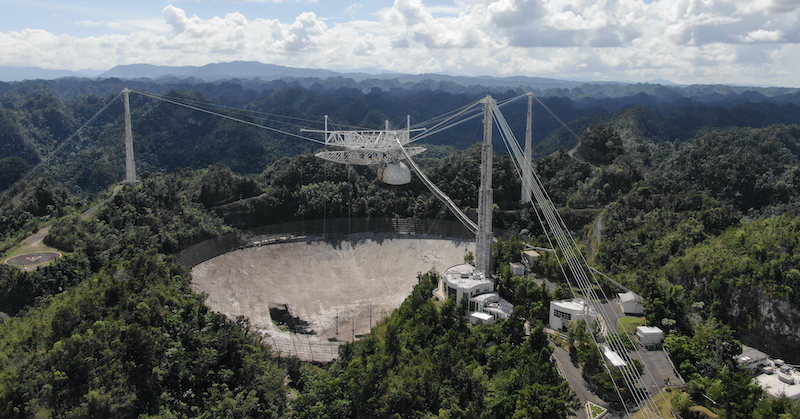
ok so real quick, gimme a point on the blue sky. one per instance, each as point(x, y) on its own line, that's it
point(66, 17)
point(686, 41)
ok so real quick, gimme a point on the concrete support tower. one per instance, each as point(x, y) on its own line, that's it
point(130, 166)
point(483, 245)
point(527, 175)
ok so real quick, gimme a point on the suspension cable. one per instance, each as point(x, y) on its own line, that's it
point(61, 145)
point(561, 266)
point(567, 245)
point(152, 96)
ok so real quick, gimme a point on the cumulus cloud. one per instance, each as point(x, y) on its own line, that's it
point(762, 35)
point(412, 23)
point(681, 40)
point(783, 6)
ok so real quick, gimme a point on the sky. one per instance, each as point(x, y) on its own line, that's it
point(752, 42)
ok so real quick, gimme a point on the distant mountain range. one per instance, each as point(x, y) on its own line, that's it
point(248, 70)
point(255, 72)
point(216, 71)
point(267, 72)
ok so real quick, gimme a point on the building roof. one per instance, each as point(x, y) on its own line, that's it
point(613, 357)
point(501, 307)
point(752, 354)
point(649, 330)
point(772, 384)
point(481, 315)
point(516, 265)
point(459, 269)
point(465, 276)
point(571, 305)
point(625, 297)
point(531, 253)
point(485, 297)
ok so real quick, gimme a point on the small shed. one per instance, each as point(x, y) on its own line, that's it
point(650, 337)
point(612, 357)
point(478, 317)
point(528, 256)
point(631, 303)
point(517, 269)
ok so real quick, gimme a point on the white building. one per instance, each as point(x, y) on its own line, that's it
point(774, 376)
point(631, 303)
point(465, 281)
point(529, 256)
point(562, 312)
point(751, 357)
point(785, 383)
point(612, 357)
point(650, 337)
point(517, 269)
point(481, 318)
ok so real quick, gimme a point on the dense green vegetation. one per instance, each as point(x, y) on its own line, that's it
point(705, 223)
point(134, 340)
point(424, 360)
point(28, 205)
point(584, 353)
point(115, 330)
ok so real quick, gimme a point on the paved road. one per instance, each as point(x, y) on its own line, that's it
point(91, 211)
point(36, 238)
point(660, 368)
point(576, 382)
point(612, 311)
point(32, 245)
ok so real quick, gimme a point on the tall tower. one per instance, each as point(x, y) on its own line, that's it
point(130, 166)
point(483, 245)
point(527, 176)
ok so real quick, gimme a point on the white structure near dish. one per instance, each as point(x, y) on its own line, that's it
point(650, 337)
point(465, 281)
point(481, 318)
point(377, 148)
point(773, 375)
point(631, 303)
point(612, 357)
point(517, 269)
point(778, 381)
point(562, 312)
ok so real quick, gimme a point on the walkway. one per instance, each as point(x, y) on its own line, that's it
point(574, 377)
point(32, 249)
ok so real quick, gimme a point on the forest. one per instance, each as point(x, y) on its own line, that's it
point(690, 204)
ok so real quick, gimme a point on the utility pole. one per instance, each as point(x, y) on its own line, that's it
point(483, 245)
point(130, 166)
point(527, 175)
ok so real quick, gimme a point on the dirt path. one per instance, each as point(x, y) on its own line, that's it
point(89, 213)
point(32, 248)
point(595, 237)
point(574, 377)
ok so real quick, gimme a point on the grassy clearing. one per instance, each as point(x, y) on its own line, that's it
point(629, 324)
point(663, 404)
point(595, 411)
point(706, 412)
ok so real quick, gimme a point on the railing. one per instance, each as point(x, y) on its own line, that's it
point(327, 229)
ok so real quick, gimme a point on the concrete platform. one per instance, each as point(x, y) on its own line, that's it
point(33, 259)
point(321, 282)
